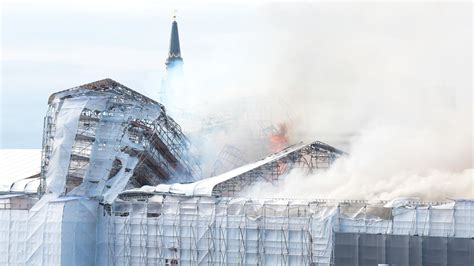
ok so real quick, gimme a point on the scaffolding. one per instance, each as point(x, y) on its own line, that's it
point(237, 231)
point(203, 231)
point(104, 136)
point(107, 155)
point(229, 157)
point(311, 157)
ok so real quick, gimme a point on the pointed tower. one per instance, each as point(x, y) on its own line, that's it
point(174, 55)
point(173, 78)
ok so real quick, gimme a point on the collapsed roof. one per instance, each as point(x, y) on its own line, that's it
point(311, 157)
point(101, 138)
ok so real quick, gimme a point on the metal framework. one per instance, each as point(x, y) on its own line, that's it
point(236, 231)
point(114, 120)
point(229, 157)
point(310, 158)
point(202, 231)
point(103, 136)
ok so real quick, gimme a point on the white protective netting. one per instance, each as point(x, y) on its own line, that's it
point(56, 231)
point(102, 138)
point(233, 232)
point(192, 231)
point(202, 231)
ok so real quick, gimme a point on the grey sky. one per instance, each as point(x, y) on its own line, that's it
point(337, 55)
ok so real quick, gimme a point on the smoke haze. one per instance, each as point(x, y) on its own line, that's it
point(389, 83)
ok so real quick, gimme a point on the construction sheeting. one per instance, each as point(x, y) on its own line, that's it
point(189, 231)
point(108, 137)
point(315, 156)
point(453, 219)
point(174, 230)
point(56, 231)
point(66, 128)
point(117, 183)
point(101, 138)
point(192, 231)
point(204, 187)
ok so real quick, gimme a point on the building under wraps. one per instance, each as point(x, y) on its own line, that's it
point(103, 137)
point(116, 188)
point(179, 230)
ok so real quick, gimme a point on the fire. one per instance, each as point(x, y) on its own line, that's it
point(279, 139)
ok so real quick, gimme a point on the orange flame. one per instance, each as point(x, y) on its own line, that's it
point(279, 139)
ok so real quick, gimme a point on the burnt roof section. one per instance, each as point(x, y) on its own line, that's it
point(174, 53)
point(107, 85)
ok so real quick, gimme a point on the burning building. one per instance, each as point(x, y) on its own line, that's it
point(116, 190)
point(103, 137)
point(118, 186)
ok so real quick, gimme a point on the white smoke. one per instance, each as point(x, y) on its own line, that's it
point(390, 161)
point(390, 83)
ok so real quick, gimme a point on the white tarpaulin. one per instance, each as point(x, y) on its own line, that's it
point(202, 230)
point(74, 230)
point(56, 231)
point(204, 187)
point(67, 122)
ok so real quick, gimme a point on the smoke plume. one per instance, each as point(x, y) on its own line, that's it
point(389, 83)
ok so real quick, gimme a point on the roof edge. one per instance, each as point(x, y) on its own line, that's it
point(100, 84)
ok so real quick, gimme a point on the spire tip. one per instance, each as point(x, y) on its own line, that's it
point(174, 14)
